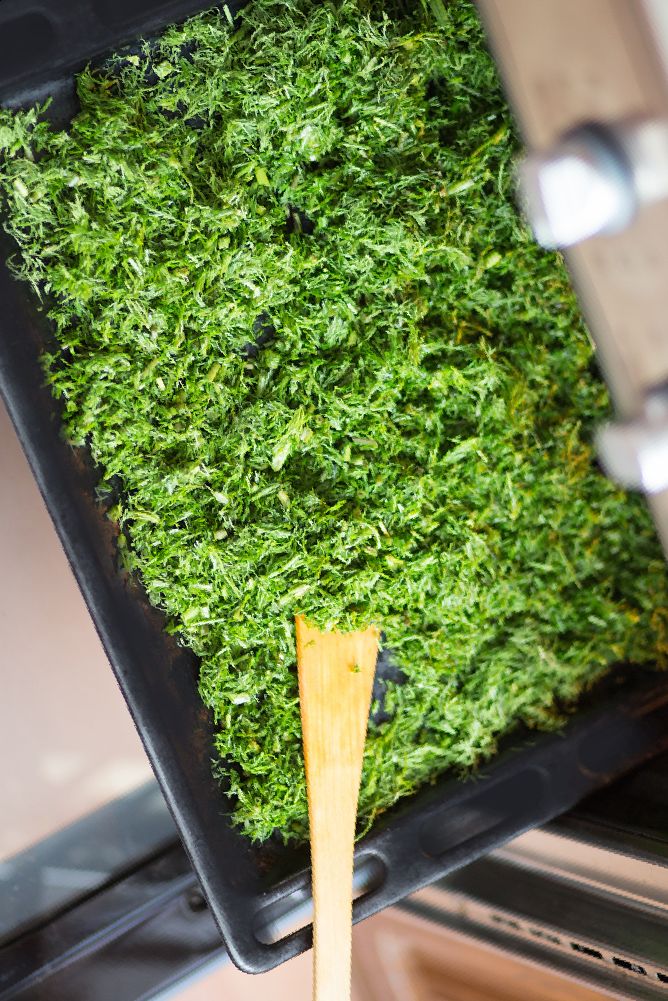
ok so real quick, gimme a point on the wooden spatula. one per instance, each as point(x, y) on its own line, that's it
point(335, 679)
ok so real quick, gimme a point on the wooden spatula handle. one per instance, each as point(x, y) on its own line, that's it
point(336, 673)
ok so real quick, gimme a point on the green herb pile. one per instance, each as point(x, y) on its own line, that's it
point(407, 441)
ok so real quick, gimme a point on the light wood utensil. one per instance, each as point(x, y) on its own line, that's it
point(336, 673)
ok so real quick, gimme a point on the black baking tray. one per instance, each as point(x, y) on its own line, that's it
point(252, 888)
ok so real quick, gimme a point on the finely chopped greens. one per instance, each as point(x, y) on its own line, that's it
point(406, 443)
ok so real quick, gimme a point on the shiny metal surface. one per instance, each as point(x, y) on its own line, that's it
point(593, 904)
point(594, 179)
point(634, 453)
point(82, 858)
point(581, 187)
point(640, 881)
point(135, 938)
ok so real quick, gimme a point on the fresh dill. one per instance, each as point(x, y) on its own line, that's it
point(325, 369)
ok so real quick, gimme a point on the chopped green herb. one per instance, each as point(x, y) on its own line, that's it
point(325, 370)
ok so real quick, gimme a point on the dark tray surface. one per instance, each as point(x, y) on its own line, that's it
point(250, 887)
